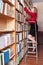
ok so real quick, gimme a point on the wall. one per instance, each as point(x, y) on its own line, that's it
point(39, 5)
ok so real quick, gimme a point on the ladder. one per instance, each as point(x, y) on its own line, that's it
point(29, 48)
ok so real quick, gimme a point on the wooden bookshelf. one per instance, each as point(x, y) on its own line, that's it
point(6, 47)
point(7, 1)
point(7, 28)
point(13, 29)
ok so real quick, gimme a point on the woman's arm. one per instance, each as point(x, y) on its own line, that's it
point(28, 12)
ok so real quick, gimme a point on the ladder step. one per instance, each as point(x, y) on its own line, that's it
point(31, 47)
point(29, 41)
point(31, 52)
point(31, 55)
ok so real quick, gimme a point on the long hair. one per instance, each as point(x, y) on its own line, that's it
point(35, 9)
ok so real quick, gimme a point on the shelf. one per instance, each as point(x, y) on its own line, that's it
point(26, 30)
point(25, 2)
point(12, 56)
point(19, 41)
point(20, 3)
point(7, 46)
point(5, 16)
point(13, 24)
point(19, 31)
point(20, 22)
point(7, 1)
point(19, 11)
point(3, 32)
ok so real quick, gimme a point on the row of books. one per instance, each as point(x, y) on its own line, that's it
point(6, 9)
point(26, 33)
point(19, 16)
point(19, 47)
point(12, 51)
point(1, 6)
point(18, 26)
point(18, 6)
point(19, 37)
point(9, 10)
point(5, 40)
point(26, 26)
point(20, 56)
point(11, 62)
point(5, 56)
point(22, 44)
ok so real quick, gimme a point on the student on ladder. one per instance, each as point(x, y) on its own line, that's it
point(33, 21)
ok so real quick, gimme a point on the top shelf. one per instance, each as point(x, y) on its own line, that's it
point(7, 1)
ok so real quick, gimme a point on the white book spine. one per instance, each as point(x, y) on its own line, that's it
point(5, 9)
point(1, 6)
point(3, 58)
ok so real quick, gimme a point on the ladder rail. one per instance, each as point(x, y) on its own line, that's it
point(29, 42)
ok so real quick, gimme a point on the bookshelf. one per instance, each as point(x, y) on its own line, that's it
point(7, 32)
point(13, 31)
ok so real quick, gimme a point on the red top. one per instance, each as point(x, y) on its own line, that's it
point(33, 16)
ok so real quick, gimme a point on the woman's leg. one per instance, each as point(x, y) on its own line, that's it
point(29, 37)
point(33, 43)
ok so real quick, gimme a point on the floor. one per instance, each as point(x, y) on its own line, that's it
point(32, 61)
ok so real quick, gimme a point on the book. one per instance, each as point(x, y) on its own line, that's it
point(17, 48)
point(17, 5)
point(17, 60)
point(21, 9)
point(17, 37)
point(9, 10)
point(5, 56)
point(20, 36)
point(2, 42)
point(11, 62)
point(0, 59)
point(11, 52)
point(12, 12)
point(22, 18)
point(1, 6)
point(19, 17)
point(16, 26)
point(5, 8)
point(5, 40)
point(22, 44)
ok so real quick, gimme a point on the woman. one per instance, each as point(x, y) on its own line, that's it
point(33, 21)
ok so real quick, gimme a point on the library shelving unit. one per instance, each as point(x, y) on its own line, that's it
point(7, 32)
point(22, 30)
point(13, 31)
